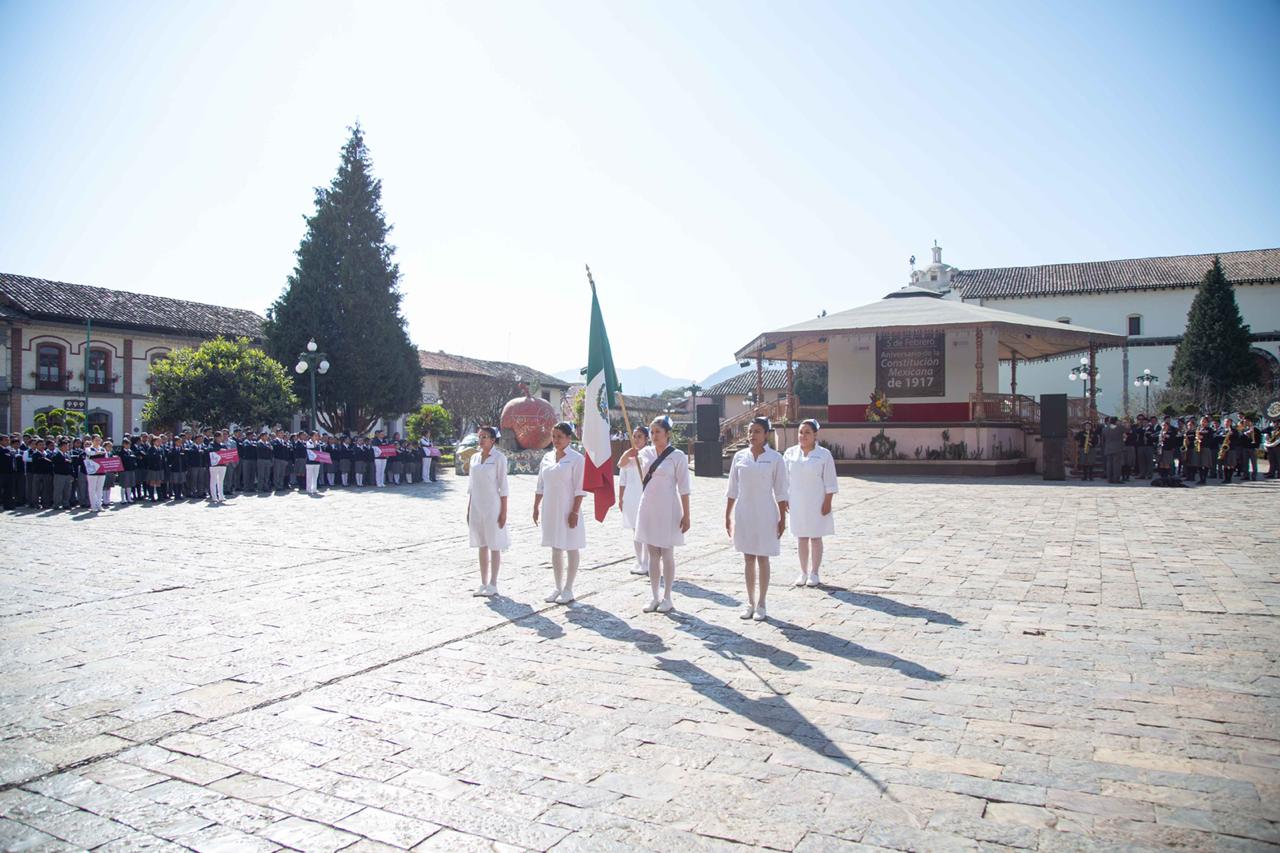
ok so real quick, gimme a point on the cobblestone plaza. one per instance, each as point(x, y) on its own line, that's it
point(1010, 664)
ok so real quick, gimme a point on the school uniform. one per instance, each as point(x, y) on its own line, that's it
point(812, 478)
point(231, 479)
point(328, 470)
point(6, 477)
point(311, 468)
point(345, 457)
point(660, 510)
point(19, 474)
point(559, 483)
point(1146, 451)
point(64, 473)
point(80, 485)
point(487, 485)
point(40, 464)
point(129, 476)
point(379, 464)
point(757, 485)
point(299, 470)
point(281, 457)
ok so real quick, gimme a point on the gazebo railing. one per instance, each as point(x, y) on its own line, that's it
point(1005, 407)
point(735, 428)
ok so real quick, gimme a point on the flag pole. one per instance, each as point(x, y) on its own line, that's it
point(622, 403)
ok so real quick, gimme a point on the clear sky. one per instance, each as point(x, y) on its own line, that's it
point(725, 167)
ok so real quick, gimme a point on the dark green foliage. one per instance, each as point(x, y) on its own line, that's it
point(811, 383)
point(431, 418)
point(344, 292)
point(219, 383)
point(1213, 358)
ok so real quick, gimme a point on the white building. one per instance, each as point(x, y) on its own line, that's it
point(1146, 299)
point(50, 326)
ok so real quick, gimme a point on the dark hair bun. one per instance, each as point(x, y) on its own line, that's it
point(764, 422)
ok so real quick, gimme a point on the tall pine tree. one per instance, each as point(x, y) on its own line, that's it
point(344, 292)
point(1213, 358)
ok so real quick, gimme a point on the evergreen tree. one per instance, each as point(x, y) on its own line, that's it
point(344, 292)
point(1213, 358)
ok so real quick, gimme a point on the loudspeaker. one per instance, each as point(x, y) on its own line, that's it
point(1053, 416)
point(708, 459)
point(708, 422)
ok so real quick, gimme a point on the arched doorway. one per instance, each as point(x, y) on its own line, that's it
point(1268, 368)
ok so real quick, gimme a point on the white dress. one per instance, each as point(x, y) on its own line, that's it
point(812, 478)
point(559, 483)
point(487, 484)
point(629, 482)
point(757, 485)
point(658, 516)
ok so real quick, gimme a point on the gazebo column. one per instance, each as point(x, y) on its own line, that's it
point(1013, 374)
point(1093, 382)
point(978, 412)
point(759, 376)
point(791, 381)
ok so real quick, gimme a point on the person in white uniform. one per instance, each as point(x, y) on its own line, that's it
point(560, 490)
point(312, 465)
point(95, 479)
point(487, 508)
point(811, 470)
point(755, 512)
point(662, 518)
point(629, 492)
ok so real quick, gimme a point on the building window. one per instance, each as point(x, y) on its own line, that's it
point(1135, 325)
point(1064, 319)
point(99, 373)
point(98, 422)
point(51, 367)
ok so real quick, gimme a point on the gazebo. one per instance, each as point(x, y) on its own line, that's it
point(934, 361)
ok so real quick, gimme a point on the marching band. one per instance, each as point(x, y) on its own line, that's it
point(1184, 450)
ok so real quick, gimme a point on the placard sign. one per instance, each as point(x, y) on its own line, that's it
point(103, 465)
point(911, 364)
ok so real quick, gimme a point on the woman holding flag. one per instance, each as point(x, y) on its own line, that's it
point(560, 486)
point(629, 492)
point(314, 446)
point(487, 509)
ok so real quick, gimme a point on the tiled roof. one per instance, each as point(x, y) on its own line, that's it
point(443, 362)
point(1249, 267)
point(59, 301)
point(745, 383)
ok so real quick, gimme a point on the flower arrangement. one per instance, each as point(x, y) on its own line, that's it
point(880, 408)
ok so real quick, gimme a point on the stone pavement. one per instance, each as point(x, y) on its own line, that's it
point(1008, 664)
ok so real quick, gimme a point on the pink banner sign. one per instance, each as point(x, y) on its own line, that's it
point(223, 457)
point(103, 465)
point(320, 456)
point(383, 451)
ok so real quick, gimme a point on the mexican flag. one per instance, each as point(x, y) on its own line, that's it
point(602, 381)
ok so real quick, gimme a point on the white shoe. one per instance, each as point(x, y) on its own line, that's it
point(801, 579)
point(491, 590)
point(551, 599)
point(639, 571)
point(814, 580)
point(483, 590)
point(651, 606)
point(747, 612)
point(760, 614)
point(666, 606)
point(565, 597)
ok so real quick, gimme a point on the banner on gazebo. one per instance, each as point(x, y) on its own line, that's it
point(911, 364)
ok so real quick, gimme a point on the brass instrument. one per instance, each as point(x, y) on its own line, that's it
point(1226, 444)
point(1199, 439)
point(1186, 440)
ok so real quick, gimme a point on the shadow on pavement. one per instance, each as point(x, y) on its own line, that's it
point(848, 650)
point(772, 712)
point(523, 615)
point(890, 607)
point(612, 627)
point(728, 643)
point(694, 591)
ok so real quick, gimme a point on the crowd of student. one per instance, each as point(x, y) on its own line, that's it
point(1186, 449)
point(63, 472)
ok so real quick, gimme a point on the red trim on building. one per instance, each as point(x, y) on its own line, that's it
point(907, 412)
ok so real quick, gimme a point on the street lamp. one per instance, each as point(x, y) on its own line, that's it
point(1146, 380)
point(1084, 374)
point(307, 361)
point(691, 393)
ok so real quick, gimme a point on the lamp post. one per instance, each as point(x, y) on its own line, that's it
point(316, 362)
point(691, 394)
point(1085, 373)
point(1145, 381)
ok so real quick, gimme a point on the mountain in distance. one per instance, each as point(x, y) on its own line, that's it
point(637, 381)
point(726, 372)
